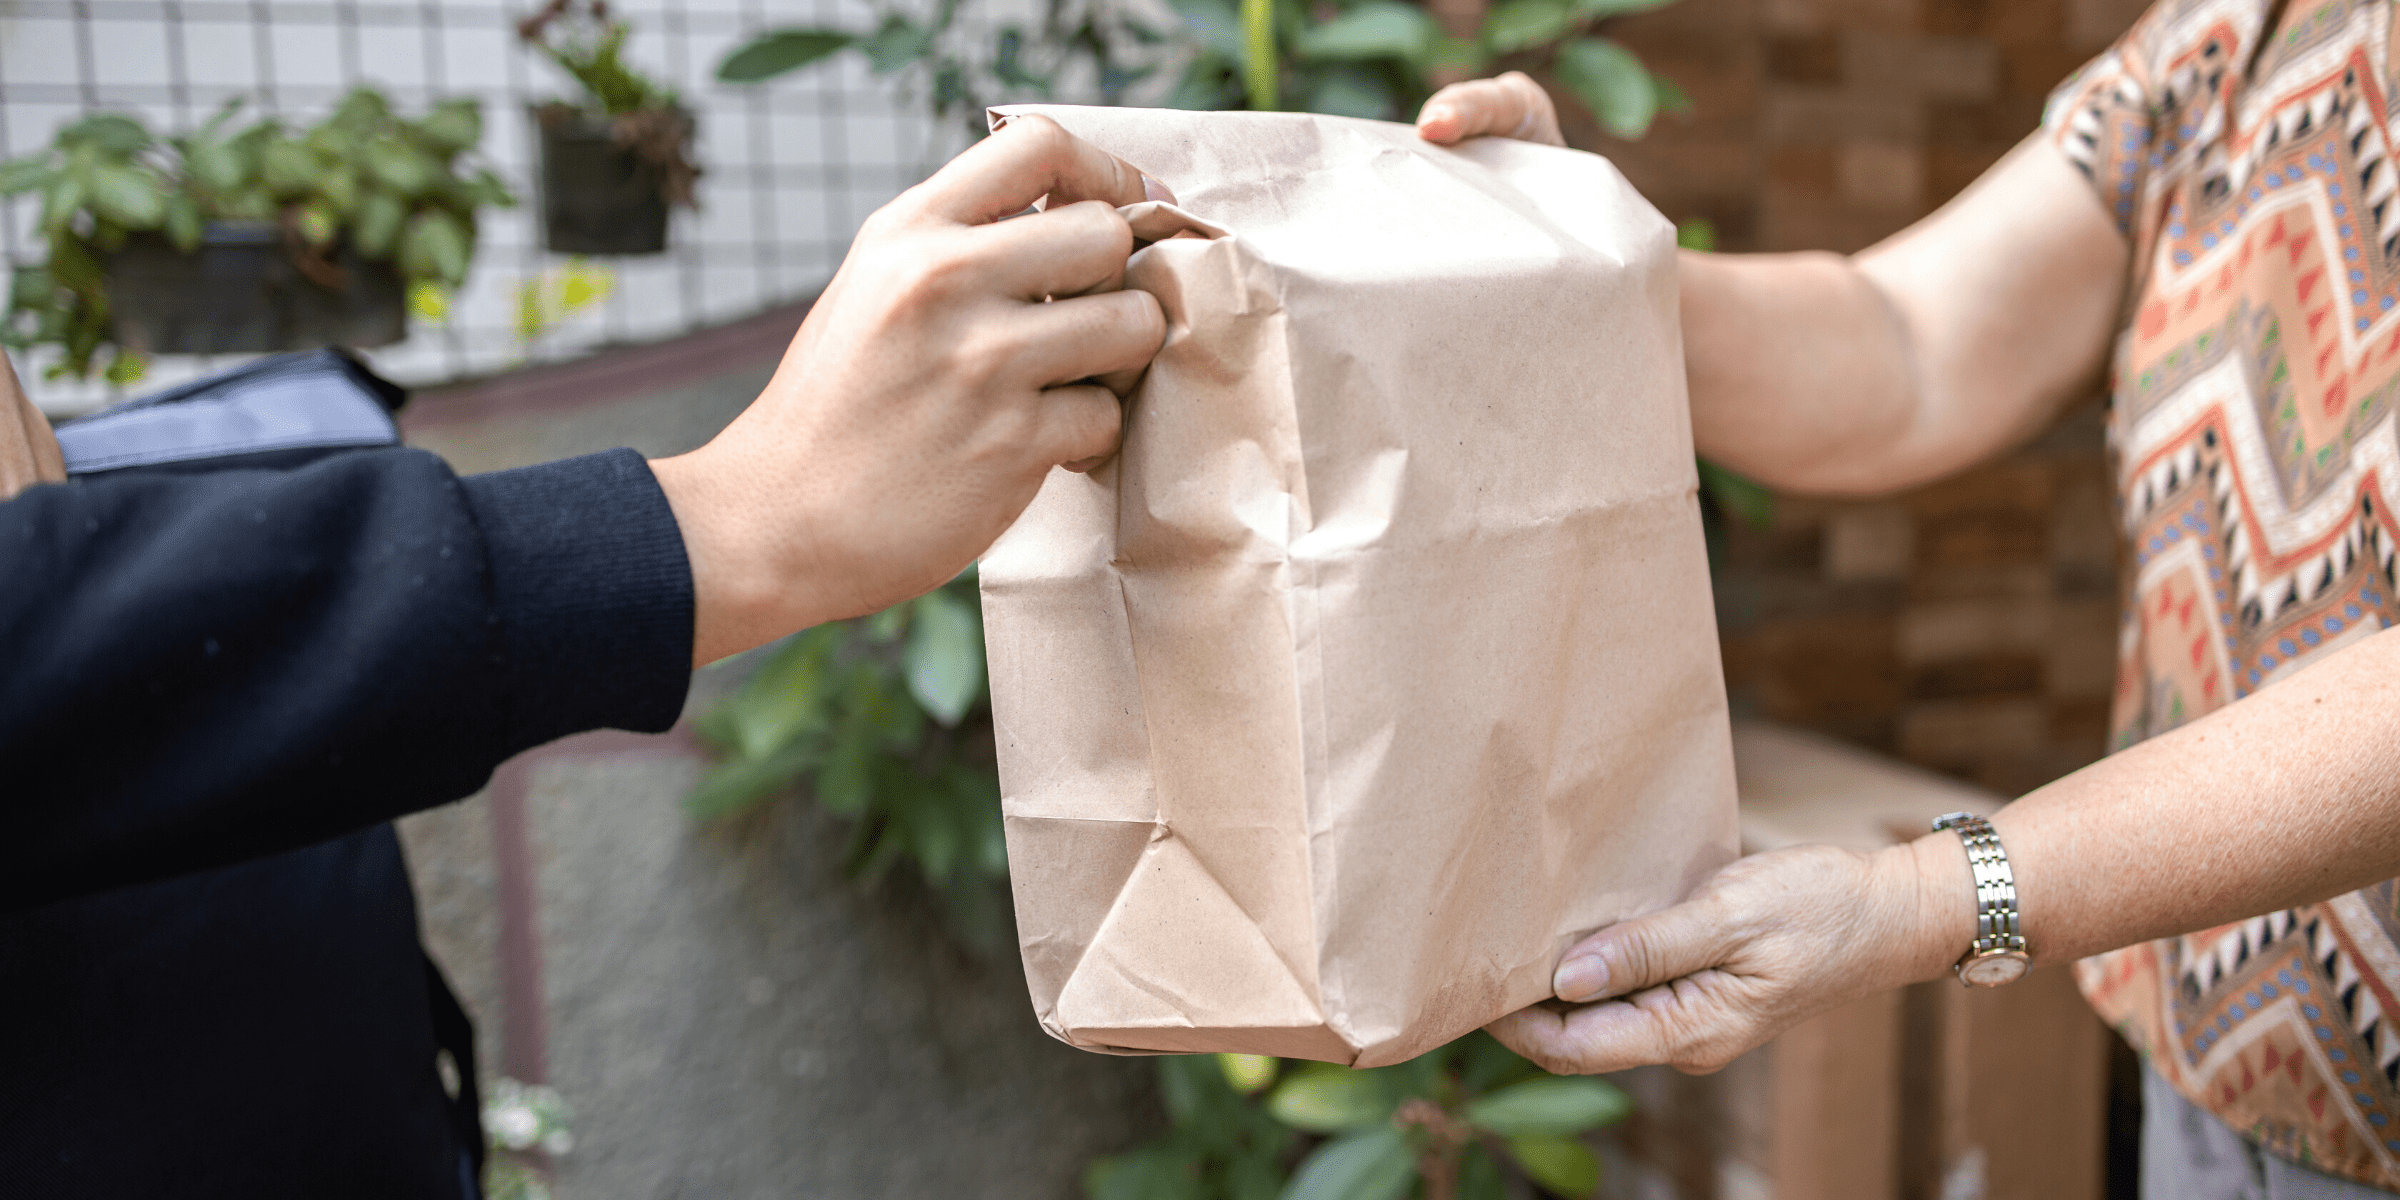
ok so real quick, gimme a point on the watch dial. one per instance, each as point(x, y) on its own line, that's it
point(1993, 970)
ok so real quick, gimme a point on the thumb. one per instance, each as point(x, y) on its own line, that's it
point(1643, 952)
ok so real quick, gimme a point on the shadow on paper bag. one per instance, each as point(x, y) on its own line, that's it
point(1380, 665)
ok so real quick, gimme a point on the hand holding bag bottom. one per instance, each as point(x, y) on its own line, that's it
point(1380, 665)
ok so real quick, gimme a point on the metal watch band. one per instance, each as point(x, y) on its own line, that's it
point(1995, 886)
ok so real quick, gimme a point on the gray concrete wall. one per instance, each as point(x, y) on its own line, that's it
point(728, 1015)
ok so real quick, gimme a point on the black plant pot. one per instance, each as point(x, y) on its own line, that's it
point(597, 197)
point(241, 293)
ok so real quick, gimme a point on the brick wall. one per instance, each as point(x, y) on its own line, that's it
point(1967, 626)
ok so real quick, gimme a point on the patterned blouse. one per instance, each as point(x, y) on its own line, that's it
point(2244, 148)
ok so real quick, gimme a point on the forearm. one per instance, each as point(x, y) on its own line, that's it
point(209, 667)
point(2290, 797)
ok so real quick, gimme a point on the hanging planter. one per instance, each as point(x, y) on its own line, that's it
point(614, 164)
point(244, 290)
point(257, 238)
point(603, 189)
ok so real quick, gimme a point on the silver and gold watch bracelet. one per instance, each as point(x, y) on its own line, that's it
point(1996, 925)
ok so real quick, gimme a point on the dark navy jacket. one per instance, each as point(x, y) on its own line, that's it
point(245, 636)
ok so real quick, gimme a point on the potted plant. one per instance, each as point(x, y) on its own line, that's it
point(249, 240)
point(613, 165)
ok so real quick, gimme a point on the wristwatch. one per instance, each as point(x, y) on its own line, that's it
point(1998, 955)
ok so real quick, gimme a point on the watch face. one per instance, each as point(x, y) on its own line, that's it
point(1992, 970)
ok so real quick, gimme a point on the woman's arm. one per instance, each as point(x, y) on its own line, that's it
point(1938, 348)
point(2287, 798)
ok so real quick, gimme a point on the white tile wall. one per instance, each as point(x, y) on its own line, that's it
point(793, 166)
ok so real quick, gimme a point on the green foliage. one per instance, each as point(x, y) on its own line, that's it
point(1220, 1144)
point(589, 47)
point(393, 189)
point(559, 293)
point(958, 71)
point(885, 720)
point(1461, 1120)
point(1379, 58)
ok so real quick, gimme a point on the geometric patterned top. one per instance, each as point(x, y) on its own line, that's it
point(2244, 148)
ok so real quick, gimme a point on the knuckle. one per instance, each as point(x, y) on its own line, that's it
point(981, 358)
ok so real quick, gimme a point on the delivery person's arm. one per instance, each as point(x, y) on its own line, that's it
point(196, 669)
point(1938, 348)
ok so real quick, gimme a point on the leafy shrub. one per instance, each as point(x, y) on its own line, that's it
point(385, 187)
point(1359, 58)
point(887, 721)
point(959, 73)
point(1457, 1121)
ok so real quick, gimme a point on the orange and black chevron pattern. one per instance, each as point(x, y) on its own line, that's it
point(2245, 149)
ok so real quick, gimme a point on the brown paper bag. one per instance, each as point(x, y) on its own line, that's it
point(1380, 664)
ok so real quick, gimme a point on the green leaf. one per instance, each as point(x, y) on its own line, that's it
point(340, 187)
point(363, 109)
point(402, 167)
point(113, 134)
point(21, 175)
point(786, 698)
point(127, 196)
point(377, 230)
point(1562, 1165)
point(1479, 1175)
point(1456, 54)
point(944, 656)
point(1151, 1173)
point(1376, 29)
point(126, 367)
point(1611, 82)
point(845, 784)
point(1736, 496)
point(1215, 25)
point(732, 786)
point(1696, 233)
point(1616, 8)
point(896, 44)
point(453, 125)
point(1671, 99)
point(1516, 24)
point(60, 202)
point(776, 52)
point(436, 246)
point(1248, 1074)
point(1347, 90)
point(182, 223)
point(1371, 1164)
point(1323, 1098)
point(319, 222)
point(216, 166)
point(287, 167)
point(1549, 1104)
point(934, 832)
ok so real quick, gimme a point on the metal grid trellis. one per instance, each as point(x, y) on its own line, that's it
point(792, 166)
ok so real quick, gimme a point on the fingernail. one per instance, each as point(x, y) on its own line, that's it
point(1434, 114)
point(1580, 978)
point(1154, 190)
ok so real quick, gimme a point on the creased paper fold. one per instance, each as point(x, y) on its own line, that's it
point(1380, 664)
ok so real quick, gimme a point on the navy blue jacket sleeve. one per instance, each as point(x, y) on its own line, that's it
point(197, 669)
